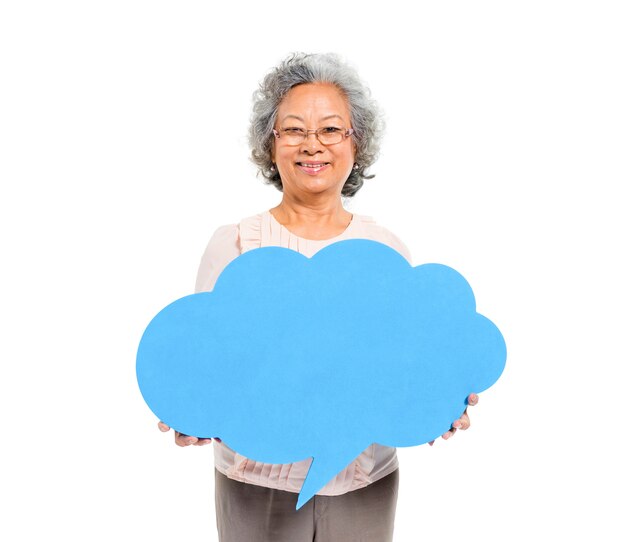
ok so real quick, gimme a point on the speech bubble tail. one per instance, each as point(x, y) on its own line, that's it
point(320, 473)
point(303, 499)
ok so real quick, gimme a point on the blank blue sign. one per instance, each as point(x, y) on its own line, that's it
point(293, 357)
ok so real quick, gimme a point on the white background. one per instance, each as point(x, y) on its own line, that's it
point(123, 146)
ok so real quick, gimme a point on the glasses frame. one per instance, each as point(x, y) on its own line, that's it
point(347, 133)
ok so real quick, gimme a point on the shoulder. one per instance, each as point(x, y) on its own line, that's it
point(226, 243)
point(222, 248)
point(250, 231)
point(224, 235)
point(376, 232)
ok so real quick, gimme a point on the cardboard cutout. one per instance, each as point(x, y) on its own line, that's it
point(291, 358)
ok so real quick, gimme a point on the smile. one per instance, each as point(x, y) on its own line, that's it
point(312, 167)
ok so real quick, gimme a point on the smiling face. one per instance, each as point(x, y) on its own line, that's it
point(310, 167)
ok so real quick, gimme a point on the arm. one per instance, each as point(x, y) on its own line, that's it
point(221, 250)
point(463, 422)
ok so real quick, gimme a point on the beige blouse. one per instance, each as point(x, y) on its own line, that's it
point(263, 230)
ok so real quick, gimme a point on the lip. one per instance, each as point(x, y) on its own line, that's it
point(312, 167)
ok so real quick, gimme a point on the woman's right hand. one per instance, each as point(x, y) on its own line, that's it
point(185, 440)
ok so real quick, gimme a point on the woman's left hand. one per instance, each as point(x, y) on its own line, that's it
point(462, 423)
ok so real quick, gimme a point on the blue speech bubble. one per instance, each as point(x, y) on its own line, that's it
point(290, 358)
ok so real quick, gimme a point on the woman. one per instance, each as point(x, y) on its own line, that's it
point(314, 134)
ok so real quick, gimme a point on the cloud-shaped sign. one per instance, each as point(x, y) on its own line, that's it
point(290, 358)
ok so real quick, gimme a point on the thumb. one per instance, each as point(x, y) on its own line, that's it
point(163, 427)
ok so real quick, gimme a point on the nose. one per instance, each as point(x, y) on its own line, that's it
point(311, 144)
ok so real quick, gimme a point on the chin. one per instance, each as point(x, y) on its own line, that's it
point(320, 185)
point(319, 188)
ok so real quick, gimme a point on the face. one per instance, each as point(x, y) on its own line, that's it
point(312, 168)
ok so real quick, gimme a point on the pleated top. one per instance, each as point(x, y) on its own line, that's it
point(263, 230)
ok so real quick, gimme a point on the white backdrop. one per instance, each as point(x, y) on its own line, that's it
point(123, 146)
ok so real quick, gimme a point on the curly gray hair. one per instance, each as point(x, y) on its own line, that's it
point(298, 69)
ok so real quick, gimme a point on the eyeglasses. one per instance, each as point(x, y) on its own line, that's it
point(330, 135)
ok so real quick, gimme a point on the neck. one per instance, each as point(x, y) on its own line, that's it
point(317, 219)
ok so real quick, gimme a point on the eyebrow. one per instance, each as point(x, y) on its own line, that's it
point(302, 120)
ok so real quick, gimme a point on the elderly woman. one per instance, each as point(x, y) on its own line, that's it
point(314, 134)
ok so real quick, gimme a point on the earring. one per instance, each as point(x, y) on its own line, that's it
point(272, 168)
point(356, 166)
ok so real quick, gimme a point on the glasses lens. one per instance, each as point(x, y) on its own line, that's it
point(293, 136)
point(330, 136)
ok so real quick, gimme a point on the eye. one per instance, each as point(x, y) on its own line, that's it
point(292, 130)
point(330, 130)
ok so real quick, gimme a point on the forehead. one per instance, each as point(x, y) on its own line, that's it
point(314, 101)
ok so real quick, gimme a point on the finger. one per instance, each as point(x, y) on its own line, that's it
point(472, 399)
point(431, 443)
point(462, 423)
point(179, 439)
point(203, 442)
point(184, 440)
point(466, 422)
point(448, 434)
point(163, 427)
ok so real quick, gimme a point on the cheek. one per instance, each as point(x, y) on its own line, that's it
point(280, 157)
point(349, 151)
point(350, 154)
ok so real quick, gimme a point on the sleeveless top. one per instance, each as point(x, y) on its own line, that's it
point(261, 230)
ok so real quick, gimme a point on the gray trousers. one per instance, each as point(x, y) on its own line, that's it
point(249, 513)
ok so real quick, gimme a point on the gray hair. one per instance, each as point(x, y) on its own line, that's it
point(299, 69)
